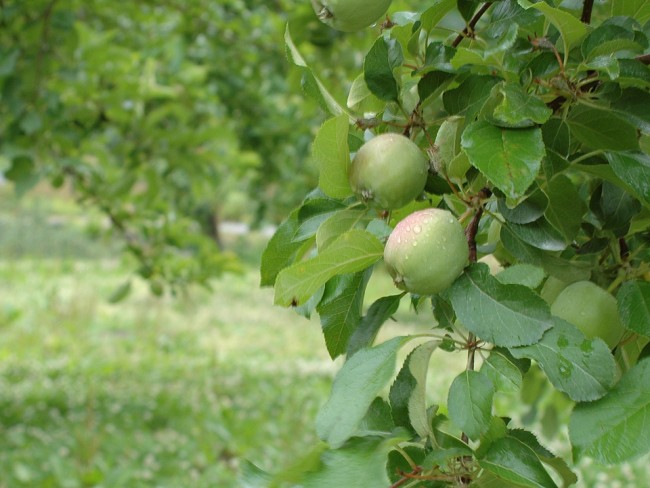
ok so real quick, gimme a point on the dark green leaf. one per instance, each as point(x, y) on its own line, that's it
point(432, 83)
point(468, 98)
point(355, 387)
point(280, 250)
point(509, 158)
point(566, 208)
point(540, 234)
point(120, 293)
point(582, 368)
point(529, 210)
point(354, 251)
point(633, 169)
point(634, 105)
point(556, 136)
point(602, 129)
point(381, 60)
point(408, 392)
point(470, 403)
point(614, 429)
point(634, 306)
point(505, 315)
point(340, 309)
point(378, 313)
point(312, 214)
point(512, 460)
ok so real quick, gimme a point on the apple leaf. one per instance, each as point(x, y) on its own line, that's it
point(518, 108)
point(332, 155)
point(571, 28)
point(505, 375)
point(521, 274)
point(408, 392)
point(470, 403)
point(566, 208)
point(602, 129)
point(634, 306)
point(355, 387)
point(378, 313)
point(512, 460)
point(634, 169)
point(381, 60)
point(505, 315)
point(614, 429)
point(582, 368)
point(353, 251)
point(340, 309)
point(509, 158)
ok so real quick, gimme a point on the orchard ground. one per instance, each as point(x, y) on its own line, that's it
point(165, 392)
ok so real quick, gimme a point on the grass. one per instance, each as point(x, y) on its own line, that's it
point(161, 392)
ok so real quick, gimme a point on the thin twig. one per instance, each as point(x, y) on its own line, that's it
point(468, 31)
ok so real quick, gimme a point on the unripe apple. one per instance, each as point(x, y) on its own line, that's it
point(426, 251)
point(591, 309)
point(350, 15)
point(389, 171)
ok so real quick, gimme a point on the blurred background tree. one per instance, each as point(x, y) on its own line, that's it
point(167, 116)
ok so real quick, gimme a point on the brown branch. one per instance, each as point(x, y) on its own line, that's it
point(645, 59)
point(469, 30)
point(587, 7)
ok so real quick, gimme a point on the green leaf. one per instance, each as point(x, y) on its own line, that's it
point(253, 477)
point(332, 155)
point(408, 392)
point(435, 13)
point(360, 455)
point(280, 250)
point(311, 84)
point(582, 368)
point(313, 213)
point(602, 129)
point(529, 210)
point(634, 306)
point(23, 173)
point(634, 105)
point(512, 460)
point(518, 108)
point(378, 313)
point(353, 251)
point(566, 208)
point(614, 429)
point(120, 293)
point(521, 274)
point(556, 136)
point(638, 9)
point(470, 403)
point(540, 234)
point(355, 387)
point(505, 315)
point(502, 371)
point(381, 60)
point(340, 309)
point(633, 168)
point(337, 224)
point(509, 158)
point(571, 28)
point(432, 83)
point(469, 97)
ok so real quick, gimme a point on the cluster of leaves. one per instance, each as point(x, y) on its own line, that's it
point(550, 109)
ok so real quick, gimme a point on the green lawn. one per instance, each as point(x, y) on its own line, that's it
point(170, 392)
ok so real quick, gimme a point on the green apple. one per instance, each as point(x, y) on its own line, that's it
point(426, 251)
point(350, 15)
point(389, 171)
point(591, 309)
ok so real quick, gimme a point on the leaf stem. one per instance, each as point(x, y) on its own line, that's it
point(584, 157)
point(587, 8)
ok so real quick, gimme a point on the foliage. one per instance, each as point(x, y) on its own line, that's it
point(536, 118)
point(165, 116)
